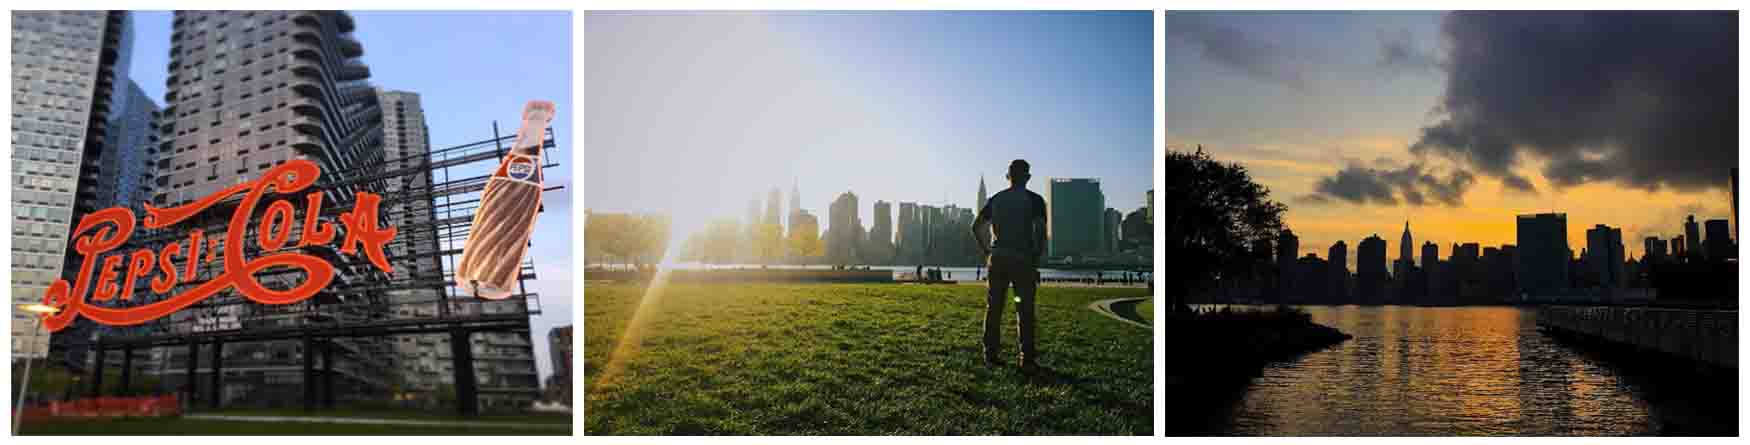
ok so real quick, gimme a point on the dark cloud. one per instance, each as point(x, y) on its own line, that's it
point(1643, 99)
point(1398, 52)
point(1414, 184)
point(1234, 48)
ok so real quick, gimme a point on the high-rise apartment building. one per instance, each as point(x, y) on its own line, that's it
point(1542, 262)
point(1692, 236)
point(1604, 253)
point(1719, 240)
point(1339, 272)
point(881, 231)
point(774, 207)
point(1370, 271)
point(66, 69)
point(1287, 255)
point(1075, 216)
point(1653, 250)
point(844, 229)
point(246, 91)
point(1114, 230)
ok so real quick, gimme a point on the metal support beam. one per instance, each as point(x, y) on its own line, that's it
point(328, 374)
point(462, 361)
point(309, 374)
point(97, 370)
point(188, 381)
point(217, 375)
point(127, 371)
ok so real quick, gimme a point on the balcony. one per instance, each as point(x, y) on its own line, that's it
point(353, 70)
point(350, 47)
point(343, 21)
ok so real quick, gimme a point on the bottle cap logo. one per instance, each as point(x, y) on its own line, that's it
point(521, 169)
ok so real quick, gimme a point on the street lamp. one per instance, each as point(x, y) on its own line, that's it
point(37, 311)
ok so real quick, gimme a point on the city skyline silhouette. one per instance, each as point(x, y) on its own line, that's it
point(1337, 113)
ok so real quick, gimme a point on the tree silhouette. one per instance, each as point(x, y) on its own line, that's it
point(1212, 214)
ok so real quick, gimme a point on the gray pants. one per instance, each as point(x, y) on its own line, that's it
point(1010, 268)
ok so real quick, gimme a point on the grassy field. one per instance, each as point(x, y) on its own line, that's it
point(779, 359)
point(179, 427)
point(1147, 310)
point(401, 414)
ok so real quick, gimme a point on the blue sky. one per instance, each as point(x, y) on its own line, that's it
point(470, 68)
point(694, 113)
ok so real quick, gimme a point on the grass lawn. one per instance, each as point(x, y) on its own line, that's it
point(441, 414)
point(1147, 310)
point(176, 426)
point(858, 359)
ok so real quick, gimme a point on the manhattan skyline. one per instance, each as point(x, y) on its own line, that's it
point(1459, 122)
point(892, 106)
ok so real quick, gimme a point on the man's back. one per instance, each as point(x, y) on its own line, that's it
point(1012, 213)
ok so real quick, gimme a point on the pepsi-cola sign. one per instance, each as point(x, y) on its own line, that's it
point(116, 274)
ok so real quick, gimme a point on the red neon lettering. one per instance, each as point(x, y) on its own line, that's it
point(104, 230)
point(138, 265)
point(164, 281)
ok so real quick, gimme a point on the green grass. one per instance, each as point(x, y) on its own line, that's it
point(441, 414)
point(831, 359)
point(1147, 310)
point(178, 426)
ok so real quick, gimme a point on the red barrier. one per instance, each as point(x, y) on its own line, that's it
point(150, 406)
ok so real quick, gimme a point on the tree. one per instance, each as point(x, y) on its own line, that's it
point(624, 238)
point(1211, 216)
point(806, 245)
point(768, 242)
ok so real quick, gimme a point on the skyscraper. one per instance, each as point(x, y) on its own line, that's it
point(774, 207)
point(906, 232)
point(1370, 270)
point(1406, 246)
point(1339, 272)
point(1653, 250)
point(982, 196)
point(1074, 216)
point(248, 90)
point(407, 145)
point(1719, 240)
point(63, 98)
point(1692, 236)
point(126, 162)
point(1605, 255)
point(1114, 226)
point(881, 230)
point(1287, 255)
point(1542, 262)
point(795, 197)
point(844, 229)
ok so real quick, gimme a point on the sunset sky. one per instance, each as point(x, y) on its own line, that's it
point(1456, 123)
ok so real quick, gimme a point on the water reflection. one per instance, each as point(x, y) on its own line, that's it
point(1442, 371)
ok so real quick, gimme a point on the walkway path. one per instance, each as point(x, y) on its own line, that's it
point(1115, 307)
point(367, 421)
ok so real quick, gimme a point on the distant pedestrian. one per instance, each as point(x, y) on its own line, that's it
point(1010, 229)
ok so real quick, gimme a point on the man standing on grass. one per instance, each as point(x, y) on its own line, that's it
point(1016, 218)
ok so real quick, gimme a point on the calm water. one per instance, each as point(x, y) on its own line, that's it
point(1456, 371)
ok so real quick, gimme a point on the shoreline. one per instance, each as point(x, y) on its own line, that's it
point(1220, 353)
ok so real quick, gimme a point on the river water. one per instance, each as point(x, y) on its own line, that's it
point(1463, 371)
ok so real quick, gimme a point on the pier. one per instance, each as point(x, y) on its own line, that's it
point(1703, 336)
